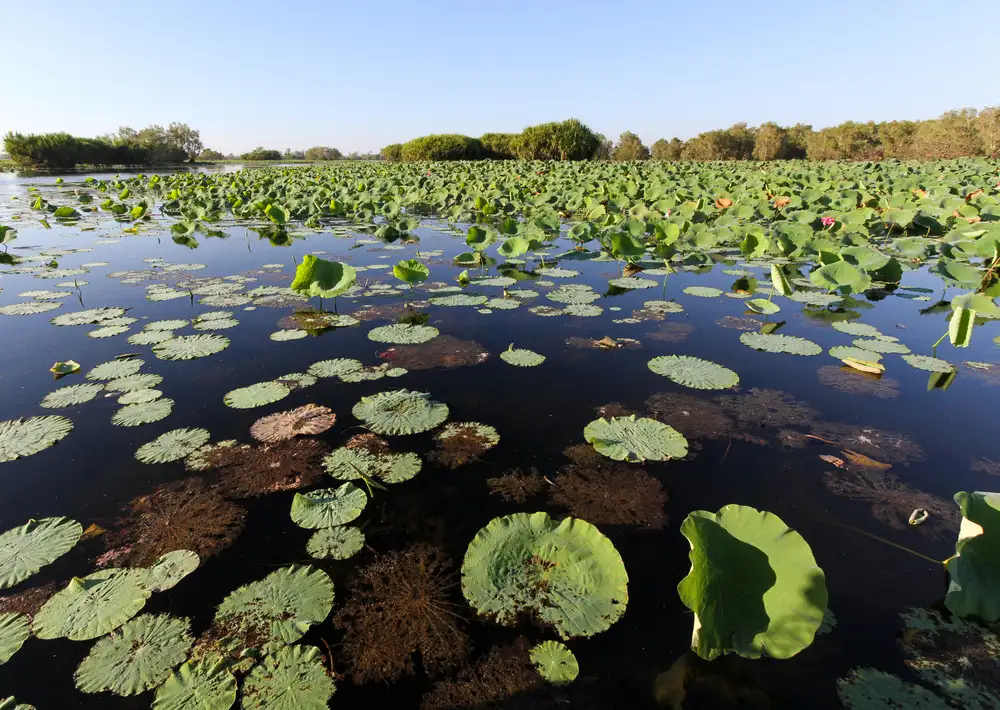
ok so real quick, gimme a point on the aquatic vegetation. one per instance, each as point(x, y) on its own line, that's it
point(517, 486)
point(400, 412)
point(190, 347)
point(71, 396)
point(250, 471)
point(306, 420)
point(972, 571)
point(15, 629)
point(172, 446)
point(521, 357)
point(635, 439)
point(319, 277)
point(501, 675)
point(183, 515)
point(399, 606)
point(93, 605)
point(789, 344)
point(566, 575)
point(24, 437)
point(694, 417)
point(608, 493)
point(694, 372)
point(168, 571)
point(26, 549)
point(403, 334)
point(671, 332)
point(754, 586)
point(143, 412)
point(137, 657)
point(930, 364)
point(555, 662)
point(443, 351)
point(367, 457)
point(335, 368)
point(256, 395)
point(292, 677)
point(862, 330)
point(986, 372)
point(115, 369)
point(851, 381)
point(703, 291)
point(197, 685)
point(867, 688)
point(767, 408)
point(986, 466)
point(131, 383)
point(459, 443)
point(328, 507)
point(337, 543)
point(139, 396)
point(740, 323)
point(888, 446)
point(29, 601)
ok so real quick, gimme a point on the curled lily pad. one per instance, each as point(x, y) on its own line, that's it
point(319, 277)
point(15, 629)
point(566, 574)
point(694, 372)
point(24, 437)
point(172, 446)
point(26, 549)
point(71, 396)
point(328, 507)
point(293, 678)
point(403, 334)
point(555, 662)
point(789, 344)
point(136, 657)
point(64, 368)
point(754, 585)
point(197, 686)
point(256, 395)
point(521, 357)
point(632, 439)
point(93, 605)
point(336, 543)
point(189, 347)
point(143, 413)
point(167, 572)
point(306, 420)
point(974, 570)
point(400, 412)
point(115, 368)
point(930, 364)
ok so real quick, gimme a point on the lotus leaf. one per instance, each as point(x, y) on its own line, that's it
point(789, 344)
point(167, 572)
point(411, 271)
point(555, 662)
point(137, 657)
point(115, 369)
point(189, 347)
point(703, 291)
point(131, 383)
point(25, 550)
point(842, 352)
point(197, 686)
point(319, 277)
point(521, 357)
point(143, 413)
point(88, 317)
point(754, 586)
point(694, 372)
point(841, 275)
point(172, 446)
point(565, 574)
point(335, 367)
point(870, 689)
point(306, 420)
point(293, 678)
point(930, 364)
point(172, 324)
point(24, 437)
point(328, 507)
point(403, 334)
point(881, 345)
point(217, 324)
point(28, 308)
point(862, 330)
point(459, 299)
point(348, 464)
point(632, 439)
point(139, 396)
point(15, 629)
point(64, 368)
point(109, 331)
point(93, 605)
point(71, 396)
point(256, 395)
point(282, 336)
point(974, 570)
point(633, 282)
point(400, 412)
point(337, 543)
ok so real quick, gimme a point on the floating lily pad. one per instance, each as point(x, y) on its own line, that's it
point(172, 324)
point(328, 507)
point(93, 605)
point(334, 368)
point(703, 291)
point(862, 330)
point(789, 344)
point(172, 446)
point(555, 662)
point(197, 686)
point(843, 352)
point(24, 437)
point(256, 395)
point(131, 383)
point(583, 310)
point(167, 572)
point(71, 396)
point(634, 282)
point(139, 396)
point(108, 331)
point(566, 574)
point(351, 463)
point(754, 585)
point(521, 357)
point(573, 294)
point(632, 439)
point(150, 337)
point(189, 347)
point(403, 334)
point(293, 678)
point(880, 345)
point(283, 336)
point(459, 299)
point(306, 420)
point(25, 550)
point(400, 412)
point(137, 657)
point(143, 413)
point(336, 543)
point(930, 364)
point(694, 372)
point(87, 317)
point(15, 629)
point(114, 369)
point(28, 308)
point(217, 324)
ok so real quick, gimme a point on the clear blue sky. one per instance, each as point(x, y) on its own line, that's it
point(360, 75)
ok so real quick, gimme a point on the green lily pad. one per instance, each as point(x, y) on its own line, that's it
point(143, 413)
point(634, 282)
point(24, 437)
point(139, 396)
point(843, 352)
point(861, 330)
point(319, 277)
point(763, 306)
point(403, 334)
point(114, 369)
point(15, 629)
point(703, 291)
point(349, 464)
point(71, 396)
point(283, 336)
point(754, 585)
point(521, 357)
point(400, 412)
point(93, 605)
point(137, 657)
point(189, 347)
point(878, 345)
point(109, 331)
point(459, 299)
point(566, 574)
point(583, 310)
point(87, 317)
point(554, 662)
point(167, 572)
point(974, 570)
point(632, 439)
point(26, 549)
point(335, 368)
point(197, 686)
point(131, 383)
point(171, 324)
point(573, 294)
point(930, 364)
point(789, 344)
point(28, 308)
point(256, 395)
point(328, 507)
point(11, 704)
point(694, 372)
point(293, 678)
point(172, 446)
point(337, 543)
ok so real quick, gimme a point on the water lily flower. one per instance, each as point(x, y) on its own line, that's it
point(828, 221)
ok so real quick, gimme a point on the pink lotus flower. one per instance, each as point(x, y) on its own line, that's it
point(828, 221)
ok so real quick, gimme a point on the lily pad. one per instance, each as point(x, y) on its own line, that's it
point(283, 336)
point(189, 347)
point(137, 657)
point(930, 364)
point(167, 572)
point(28, 308)
point(256, 395)
point(521, 357)
point(197, 686)
point(632, 439)
point(703, 291)
point(306, 420)
point(870, 689)
point(754, 585)
point(26, 549)
point(789, 344)
point(878, 345)
point(93, 605)
point(143, 413)
point(328, 507)
point(293, 678)
point(843, 352)
point(694, 372)
point(24, 437)
point(336, 543)
point(335, 368)
point(555, 662)
point(403, 334)
point(139, 396)
point(71, 396)
point(974, 570)
point(109, 331)
point(115, 368)
point(861, 330)
point(400, 412)
point(15, 629)
point(172, 446)
point(132, 383)
point(459, 299)
point(349, 464)
point(566, 574)
point(634, 282)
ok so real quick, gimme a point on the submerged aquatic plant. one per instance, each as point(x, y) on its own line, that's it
point(888, 446)
point(852, 381)
point(400, 606)
point(767, 408)
point(444, 351)
point(249, 471)
point(459, 443)
point(517, 486)
point(694, 417)
point(502, 674)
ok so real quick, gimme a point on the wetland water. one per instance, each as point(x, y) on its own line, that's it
point(746, 444)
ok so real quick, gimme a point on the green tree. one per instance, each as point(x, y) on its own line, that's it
point(988, 128)
point(667, 150)
point(568, 140)
point(260, 153)
point(182, 137)
point(393, 153)
point(771, 142)
point(629, 147)
point(449, 146)
point(320, 152)
point(209, 155)
point(953, 135)
point(797, 140)
point(498, 146)
point(896, 138)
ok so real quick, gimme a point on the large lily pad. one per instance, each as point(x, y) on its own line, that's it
point(170, 569)
point(400, 412)
point(93, 605)
point(328, 507)
point(754, 585)
point(197, 686)
point(294, 678)
point(24, 437)
point(190, 347)
point(256, 395)
point(403, 334)
point(15, 629)
point(114, 369)
point(930, 364)
point(335, 367)
point(172, 446)
point(566, 574)
point(71, 396)
point(136, 657)
point(25, 550)
point(306, 420)
point(351, 463)
point(143, 412)
point(521, 357)
point(789, 344)
point(635, 439)
point(694, 372)
point(319, 277)
point(974, 570)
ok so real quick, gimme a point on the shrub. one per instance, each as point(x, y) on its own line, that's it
point(209, 154)
point(260, 153)
point(393, 153)
point(498, 146)
point(449, 146)
point(323, 153)
point(629, 147)
point(569, 140)
point(667, 150)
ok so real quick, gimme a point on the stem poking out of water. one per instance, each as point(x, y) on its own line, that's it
point(887, 542)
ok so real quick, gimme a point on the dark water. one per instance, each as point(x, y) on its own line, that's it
point(540, 411)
